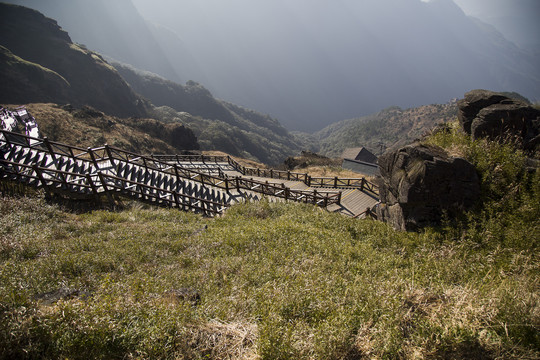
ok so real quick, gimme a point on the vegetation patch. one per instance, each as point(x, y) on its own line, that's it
point(276, 280)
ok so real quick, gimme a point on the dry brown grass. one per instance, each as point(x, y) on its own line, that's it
point(241, 161)
point(221, 340)
point(60, 125)
point(330, 171)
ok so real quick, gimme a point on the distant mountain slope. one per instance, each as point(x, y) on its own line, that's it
point(114, 28)
point(388, 128)
point(40, 63)
point(87, 127)
point(516, 19)
point(194, 99)
point(219, 125)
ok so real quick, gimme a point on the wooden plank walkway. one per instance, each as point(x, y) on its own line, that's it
point(354, 202)
point(206, 184)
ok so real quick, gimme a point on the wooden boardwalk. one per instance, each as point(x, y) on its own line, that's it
point(354, 202)
point(203, 184)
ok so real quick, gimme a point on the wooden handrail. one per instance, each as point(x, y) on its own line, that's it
point(332, 182)
point(95, 156)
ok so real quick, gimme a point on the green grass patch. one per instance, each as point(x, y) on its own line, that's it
point(276, 281)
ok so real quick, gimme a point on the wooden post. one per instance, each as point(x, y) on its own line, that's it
point(335, 182)
point(93, 187)
point(40, 176)
point(176, 173)
point(54, 159)
point(176, 201)
point(104, 185)
point(49, 148)
point(110, 155)
point(93, 157)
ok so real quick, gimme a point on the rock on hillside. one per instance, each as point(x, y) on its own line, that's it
point(41, 64)
point(496, 116)
point(421, 184)
point(307, 159)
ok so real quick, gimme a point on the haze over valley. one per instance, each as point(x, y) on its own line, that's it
point(311, 63)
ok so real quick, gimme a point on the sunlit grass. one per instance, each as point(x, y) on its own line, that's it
point(275, 281)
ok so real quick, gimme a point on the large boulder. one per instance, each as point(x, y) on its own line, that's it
point(487, 114)
point(422, 184)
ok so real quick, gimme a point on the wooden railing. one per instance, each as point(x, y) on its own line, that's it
point(325, 182)
point(106, 158)
point(103, 183)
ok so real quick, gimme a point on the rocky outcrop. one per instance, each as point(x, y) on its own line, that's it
point(487, 114)
point(422, 184)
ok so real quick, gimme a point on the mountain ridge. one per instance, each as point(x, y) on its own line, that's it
point(311, 68)
point(40, 64)
point(35, 39)
point(218, 124)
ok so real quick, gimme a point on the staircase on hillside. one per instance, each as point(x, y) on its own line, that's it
point(202, 184)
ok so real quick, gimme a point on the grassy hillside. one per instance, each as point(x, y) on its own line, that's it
point(87, 127)
point(277, 281)
point(389, 128)
point(17, 73)
point(219, 125)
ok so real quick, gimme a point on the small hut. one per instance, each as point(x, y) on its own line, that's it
point(360, 160)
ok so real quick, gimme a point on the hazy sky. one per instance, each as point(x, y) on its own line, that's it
point(485, 8)
point(502, 13)
point(263, 51)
